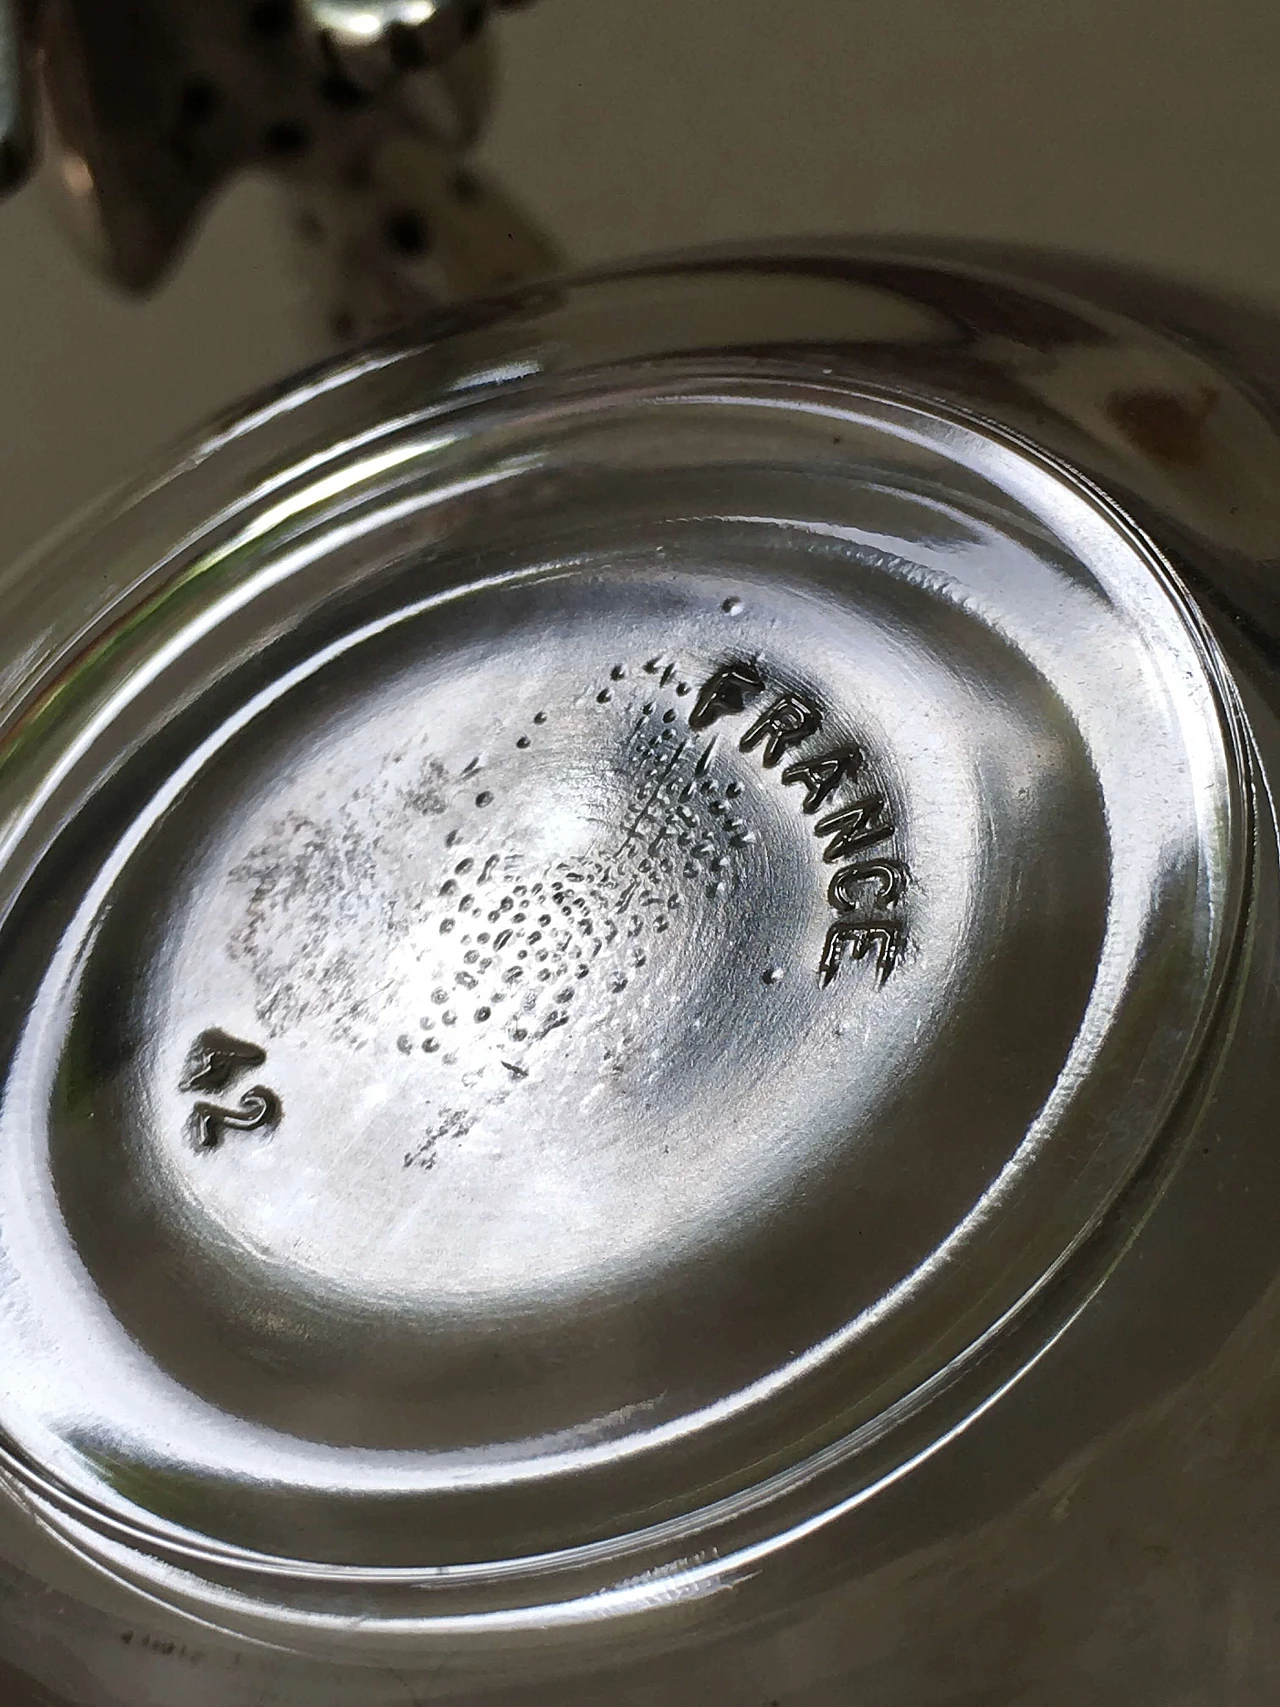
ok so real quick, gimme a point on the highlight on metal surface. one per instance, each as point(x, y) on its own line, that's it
point(364, 112)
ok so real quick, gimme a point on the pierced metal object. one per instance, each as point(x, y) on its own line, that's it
point(364, 112)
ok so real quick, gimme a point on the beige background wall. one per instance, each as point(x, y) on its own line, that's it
point(1145, 129)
